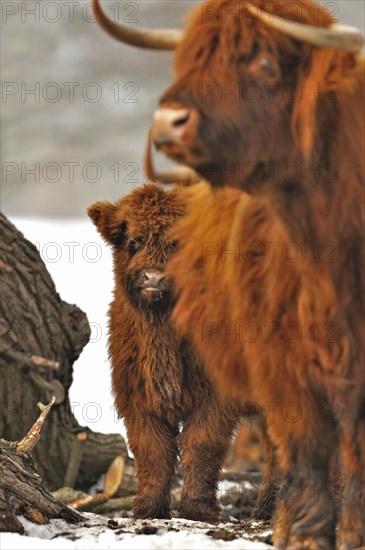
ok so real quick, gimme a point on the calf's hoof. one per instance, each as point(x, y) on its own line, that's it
point(146, 508)
point(198, 510)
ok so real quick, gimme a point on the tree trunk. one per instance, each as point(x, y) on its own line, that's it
point(41, 338)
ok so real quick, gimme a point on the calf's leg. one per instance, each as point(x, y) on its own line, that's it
point(153, 443)
point(204, 442)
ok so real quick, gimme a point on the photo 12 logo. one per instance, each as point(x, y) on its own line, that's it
point(71, 92)
point(69, 171)
point(29, 11)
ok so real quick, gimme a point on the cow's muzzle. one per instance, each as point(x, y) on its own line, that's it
point(175, 124)
point(170, 126)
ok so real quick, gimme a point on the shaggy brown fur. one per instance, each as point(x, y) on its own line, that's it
point(158, 380)
point(246, 452)
point(269, 331)
point(252, 450)
point(301, 145)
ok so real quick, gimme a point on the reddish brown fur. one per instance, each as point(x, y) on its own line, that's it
point(220, 294)
point(253, 450)
point(322, 134)
point(158, 381)
point(246, 452)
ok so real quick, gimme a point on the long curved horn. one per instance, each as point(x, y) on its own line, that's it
point(157, 39)
point(342, 37)
point(182, 175)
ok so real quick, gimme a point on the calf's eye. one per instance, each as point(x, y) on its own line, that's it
point(133, 247)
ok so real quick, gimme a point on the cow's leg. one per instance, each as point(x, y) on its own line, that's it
point(265, 502)
point(305, 512)
point(154, 445)
point(305, 518)
point(352, 453)
point(204, 441)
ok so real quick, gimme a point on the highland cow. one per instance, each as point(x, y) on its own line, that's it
point(301, 145)
point(255, 343)
point(158, 379)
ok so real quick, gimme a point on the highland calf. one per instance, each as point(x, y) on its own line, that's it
point(158, 379)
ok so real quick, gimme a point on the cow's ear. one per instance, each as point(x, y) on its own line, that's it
point(106, 216)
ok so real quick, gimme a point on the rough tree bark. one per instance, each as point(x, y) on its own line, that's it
point(41, 337)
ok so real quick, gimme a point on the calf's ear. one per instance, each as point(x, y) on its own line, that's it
point(104, 216)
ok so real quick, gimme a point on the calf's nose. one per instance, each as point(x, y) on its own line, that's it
point(153, 278)
point(169, 125)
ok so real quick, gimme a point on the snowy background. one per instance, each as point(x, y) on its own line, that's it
point(80, 264)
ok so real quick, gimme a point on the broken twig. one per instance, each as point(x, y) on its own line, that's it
point(43, 362)
point(29, 441)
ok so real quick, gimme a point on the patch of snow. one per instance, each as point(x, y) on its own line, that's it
point(95, 533)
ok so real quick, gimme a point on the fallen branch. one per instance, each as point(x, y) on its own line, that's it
point(22, 491)
point(113, 480)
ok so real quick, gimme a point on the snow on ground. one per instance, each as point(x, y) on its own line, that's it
point(98, 532)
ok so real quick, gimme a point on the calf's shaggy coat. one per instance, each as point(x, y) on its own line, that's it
point(158, 379)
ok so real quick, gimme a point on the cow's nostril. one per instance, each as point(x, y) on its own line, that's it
point(181, 121)
point(169, 125)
